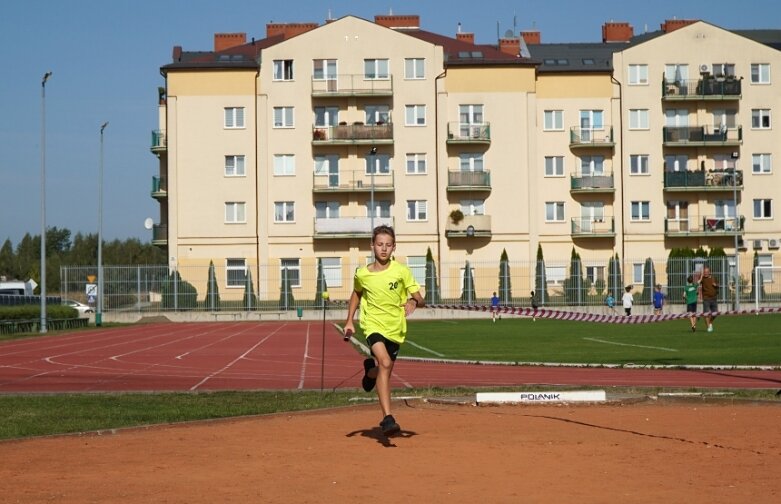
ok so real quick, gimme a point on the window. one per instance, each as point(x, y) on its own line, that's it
point(638, 118)
point(291, 267)
point(555, 274)
point(234, 117)
point(591, 212)
point(324, 69)
point(327, 165)
point(591, 119)
point(637, 272)
point(283, 70)
point(416, 210)
point(641, 211)
point(554, 120)
point(471, 161)
point(470, 114)
point(765, 260)
point(724, 118)
point(381, 164)
point(760, 73)
point(595, 273)
point(763, 208)
point(554, 166)
point(592, 165)
point(235, 212)
point(472, 207)
point(284, 211)
point(676, 72)
point(725, 209)
point(761, 163)
point(676, 118)
point(382, 208)
point(723, 69)
point(415, 115)
point(414, 68)
point(724, 162)
point(638, 75)
point(326, 116)
point(675, 162)
point(283, 117)
point(234, 166)
point(416, 163)
point(332, 271)
point(327, 209)
point(375, 69)
point(284, 164)
point(554, 211)
point(417, 266)
point(377, 114)
point(236, 272)
point(638, 164)
point(760, 118)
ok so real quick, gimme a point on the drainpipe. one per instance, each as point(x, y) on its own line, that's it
point(621, 163)
point(256, 191)
point(436, 167)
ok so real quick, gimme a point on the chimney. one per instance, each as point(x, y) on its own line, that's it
point(532, 37)
point(466, 37)
point(398, 21)
point(617, 32)
point(177, 53)
point(224, 41)
point(288, 30)
point(511, 46)
point(673, 24)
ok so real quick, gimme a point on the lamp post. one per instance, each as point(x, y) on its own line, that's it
point(99, 311)
point(43, 201)
point(372, 168)
point(738, 287)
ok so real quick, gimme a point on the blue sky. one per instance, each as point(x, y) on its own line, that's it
point(106, 56)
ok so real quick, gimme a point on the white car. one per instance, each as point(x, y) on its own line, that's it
point(84, 310)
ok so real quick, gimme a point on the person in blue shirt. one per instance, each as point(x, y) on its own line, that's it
point(610, 302)
point(494, 307)
point(658, 300)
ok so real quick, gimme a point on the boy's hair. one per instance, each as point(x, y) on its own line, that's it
point(383, 229)
point(628, 288)
point(690, 279)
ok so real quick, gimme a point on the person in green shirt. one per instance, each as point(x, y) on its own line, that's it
point(690, 293)
point(387, 294)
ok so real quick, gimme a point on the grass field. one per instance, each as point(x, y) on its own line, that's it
point(736, 340)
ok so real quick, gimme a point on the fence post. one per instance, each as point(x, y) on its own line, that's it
point(138, 287)
point(176, 290)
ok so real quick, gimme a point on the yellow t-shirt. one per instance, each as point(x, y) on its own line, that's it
point(383, 295)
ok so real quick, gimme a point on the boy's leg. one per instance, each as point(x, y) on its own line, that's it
point(383, 374)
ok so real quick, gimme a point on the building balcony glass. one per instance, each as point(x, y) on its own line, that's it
point(347, 227)
point(710, 88)
point(592, 183)
point(593, 227)
point(353, 134)
point(591, 138)
point(352, 181)
point(160, 234)
point(352, 85)
point(159, 142)
point(701, 136)
point(458, 180)
point(469, 226)
point(159, 188)
point(709, 225)
point(701, 180)
point(468, 133)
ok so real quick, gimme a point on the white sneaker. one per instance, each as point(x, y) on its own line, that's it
point(710, 328)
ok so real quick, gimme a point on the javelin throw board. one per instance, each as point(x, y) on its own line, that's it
point(541, 397)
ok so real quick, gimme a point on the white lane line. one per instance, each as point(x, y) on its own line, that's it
point(303, 361)
point(629, 344)
point(198, 349)
point(424, 348)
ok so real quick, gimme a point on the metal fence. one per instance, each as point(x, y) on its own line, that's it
point(289, 286)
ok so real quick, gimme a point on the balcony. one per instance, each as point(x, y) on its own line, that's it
point(698, 181)
point(468, 133)
point(353, 134)
point(591, 138)
point(716, 89)
point(347, 227)
point(346, 181)
point(458, 180)
point(707, 226)
point(592, 183)
point(159, 188)
point(159, 142)
point(701, 136)
point(593, 227)
point(469, 226)
point(351, 85)
point(160, 235)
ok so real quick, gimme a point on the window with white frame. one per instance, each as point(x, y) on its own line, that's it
point(377, 114)
point(284, 211)
point(470, 114)
point(326, 116)
point(638, 119)
point(724, 162)
point(235, 212)
point(416, 163)
point(760, 118)
point(555, 274)
point(592, 165)
point(676, 118)
point(678, 211)
point(553, 120)
point(291, 267)
point(554, 211)
point(765, 260)
point(283, 117)
point(595, 274)
point(760, 73)
point(414, 68)
point(724, 118)
point(417, 210)
point(375, 69)
point(638, 164)
point(471, 161)
point(284, 164)
point(415, 115)
point(761, 163)
point(591, 120)
point(327, 209)
point(234, 166)
point(417, 266)
point(327, 165)
point(283, 70)
point(332, 271)
point(236, 272)
point(554, 166)
point(763, 208)
point(638, 75)
point(234, 117)
point(724, 209)
point(379, 164)
point(382, 208)
point(675, 162)
point(723, 70)
point(676, 72)
point(637, 272)
point(324, 69)
point(640, 211)
point(472, 206)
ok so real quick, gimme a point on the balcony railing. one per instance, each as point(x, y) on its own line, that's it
point(709, 225)
point(469, 226)
point(701, 136)
point(160, 234)
point(352, 181)
point(352, 85)
point(159, 187)
point(159, 141)
point(701, 180)
point(458, 180)
point(593, 183)
point(353, 134)
point(591, 137)
point(347, 227)
point(593, 227)
point(468, 133)
point(711, 88)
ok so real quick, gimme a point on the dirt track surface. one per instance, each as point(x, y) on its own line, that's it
point(692, 452)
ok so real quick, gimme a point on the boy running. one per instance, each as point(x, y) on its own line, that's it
point(382, 289)
point(690, 296)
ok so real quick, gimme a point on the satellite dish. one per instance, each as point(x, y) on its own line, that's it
point(509, 34)
point(148, 223)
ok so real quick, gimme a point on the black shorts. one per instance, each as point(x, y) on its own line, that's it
point(391, 346)
point(691, 307)
point(710, 305)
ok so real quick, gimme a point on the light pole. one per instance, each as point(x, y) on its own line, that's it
point(372, 156)
point(43, 201)
point(99, 312)
point(738, 287)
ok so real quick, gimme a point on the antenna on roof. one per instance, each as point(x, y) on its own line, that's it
point(390, 11)
point(515, 23)
point(459, 27)
point(329, 15)
point(497, 30)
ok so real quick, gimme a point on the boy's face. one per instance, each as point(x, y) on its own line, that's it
point(383, 247)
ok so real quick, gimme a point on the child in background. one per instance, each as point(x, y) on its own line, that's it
point(658, 300)
point(494, 307)
point(610, 302)
point(690, 294)
point(628, 300)
point(533, 302)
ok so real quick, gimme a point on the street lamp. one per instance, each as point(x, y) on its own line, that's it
point(372, 168)
point(43, 201)
point(738, 287)
point(99, 312)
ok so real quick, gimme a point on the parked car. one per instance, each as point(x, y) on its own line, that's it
point(84, 310)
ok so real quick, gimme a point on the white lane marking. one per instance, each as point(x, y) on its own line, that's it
point(631, 345)
point(424, 348)
point(303, 361)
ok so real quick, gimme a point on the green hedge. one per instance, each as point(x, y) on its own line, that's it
point(33, 312)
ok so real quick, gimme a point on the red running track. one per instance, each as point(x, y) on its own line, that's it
point(279, 355)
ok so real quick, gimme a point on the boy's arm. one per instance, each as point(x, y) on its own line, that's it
point(352, 307)
point(413, 303)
